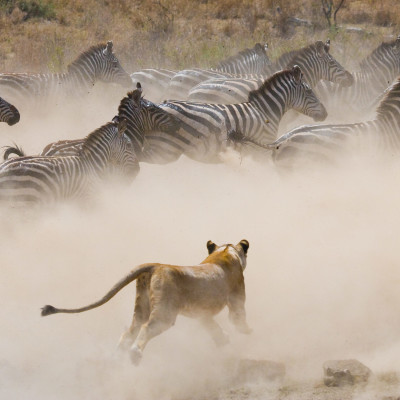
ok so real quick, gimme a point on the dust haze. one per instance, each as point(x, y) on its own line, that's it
point(322, 277)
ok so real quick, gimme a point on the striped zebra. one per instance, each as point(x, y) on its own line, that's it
point(247, 61)
point(141, 116)
point(8, 113)
point(315, 61)
point(96, 64)
point(106, 153)
point(326, 142)
point(203, 134)
point(377, 71)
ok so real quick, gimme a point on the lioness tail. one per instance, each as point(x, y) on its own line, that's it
point(134, 274)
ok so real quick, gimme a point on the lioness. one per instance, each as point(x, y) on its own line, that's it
point(164, 291)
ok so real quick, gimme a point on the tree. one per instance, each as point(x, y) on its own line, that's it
point(327, 8)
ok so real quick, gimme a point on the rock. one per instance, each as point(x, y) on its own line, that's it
point(259, 370)
point(345, 372)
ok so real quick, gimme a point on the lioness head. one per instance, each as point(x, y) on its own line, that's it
point(240, 249)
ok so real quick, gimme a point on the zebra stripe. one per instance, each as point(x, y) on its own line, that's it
point(327, 141)
point(156, 81)
point(96, 64)
point(247, 62)
point(141, 116)
point(204, 126)
point(8, 113)
point(106, 153)
point(315, 61)
point(377, 71)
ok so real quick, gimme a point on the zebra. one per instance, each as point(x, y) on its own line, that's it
point(98, 63)
point(325, 142)
point(106, 153)
point(314, 60)
point(141, 116)
point(247, 61)
point(157, 80)
point(8, 113)
point(204, 126)
point(377, 71)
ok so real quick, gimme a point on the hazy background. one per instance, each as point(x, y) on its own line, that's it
point(322, 278)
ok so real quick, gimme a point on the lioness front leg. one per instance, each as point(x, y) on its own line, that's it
point(217, 333)
point(237, 312)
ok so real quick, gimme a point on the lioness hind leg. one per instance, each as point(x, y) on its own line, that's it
point(217, 333)
point(141, 314)
point(159, 321)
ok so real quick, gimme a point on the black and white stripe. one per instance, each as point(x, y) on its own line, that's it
point(315, 61)
point(96, 64)
point(247, 62)
point(141, 116)
point(8, 113)
point(106, 153)
point(205, 126)
point(325, 142)
point(377, 71)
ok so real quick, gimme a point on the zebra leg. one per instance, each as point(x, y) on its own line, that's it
point(218, 335)
point(141, 314)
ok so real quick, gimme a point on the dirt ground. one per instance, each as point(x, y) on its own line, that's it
point(322, 279)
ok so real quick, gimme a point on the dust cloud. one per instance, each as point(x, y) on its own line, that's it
point(322, 278)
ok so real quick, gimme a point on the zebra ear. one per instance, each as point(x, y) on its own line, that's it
point(211, 246)
point(327, 45)
point(122, 125)
point(136, 95)
point(108, 50)
point(259, 48)
point(320, 47)
point(297, 74)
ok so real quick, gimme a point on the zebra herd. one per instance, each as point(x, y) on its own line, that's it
point(241, 101)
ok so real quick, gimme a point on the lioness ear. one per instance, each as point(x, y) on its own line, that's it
point(245, 245)
point(211, 246)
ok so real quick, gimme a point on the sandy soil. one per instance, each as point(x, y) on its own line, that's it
point(322, 277)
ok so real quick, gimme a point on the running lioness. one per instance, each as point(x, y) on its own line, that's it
point(164, 291)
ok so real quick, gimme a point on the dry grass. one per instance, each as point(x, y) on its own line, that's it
point(179, 33)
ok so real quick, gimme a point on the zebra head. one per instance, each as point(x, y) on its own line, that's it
point(303, 98)
point(384, 62)
point(122, 166)
point(143, 116)
point(317, 63)
point(8, 113)
point(99, 63)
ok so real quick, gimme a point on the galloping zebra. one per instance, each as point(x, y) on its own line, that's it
point(96, 64)
point(141, 116)
point(315, 61)
point(377, 71)
point(106, 153)
point(204, 126)
point(325, 142)
point(8, 113)
point(247, 61)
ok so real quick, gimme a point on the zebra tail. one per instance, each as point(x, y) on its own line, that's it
point(13, 150)
point(134, 274)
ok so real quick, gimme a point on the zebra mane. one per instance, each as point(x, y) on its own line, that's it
point(258, 48)
point(96, 135)
point(291, 56)
point(383, 47)
point(270, 81)
point(392, 96)
point(92, 50)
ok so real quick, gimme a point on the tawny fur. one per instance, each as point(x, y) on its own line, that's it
point(165, 291)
